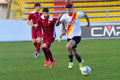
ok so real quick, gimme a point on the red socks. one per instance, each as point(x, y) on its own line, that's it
point(45, 53)
point(37, 45)
point(48, 54)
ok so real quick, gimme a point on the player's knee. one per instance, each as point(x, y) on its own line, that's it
point(68, 47)
point(44, 46)
point(33, 41)
point(39, 40)
point(75, 52)
point(77, 55)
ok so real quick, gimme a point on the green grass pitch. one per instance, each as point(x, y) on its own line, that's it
point(17, 61)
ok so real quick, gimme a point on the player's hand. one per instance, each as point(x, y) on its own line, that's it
point(64, 32)
point(60, 15)
point(35, 26)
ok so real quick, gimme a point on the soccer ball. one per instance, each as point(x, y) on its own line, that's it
point(86, 70)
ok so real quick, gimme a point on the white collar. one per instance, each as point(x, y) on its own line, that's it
point(34, 12)
point(50, 18)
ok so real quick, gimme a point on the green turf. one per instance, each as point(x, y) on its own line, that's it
point(17, 61)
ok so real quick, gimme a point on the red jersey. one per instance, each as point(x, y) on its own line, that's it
point(34, 16)
point(48, 26)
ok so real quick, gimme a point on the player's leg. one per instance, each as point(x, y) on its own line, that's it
point(77, 39)
point(44, 48)
point(49, 41)
point(78, 57)
point(69, 46)
point(39, 35)
point(34, 36)
point(34, 42)
point(38, 46)
point(48, 53)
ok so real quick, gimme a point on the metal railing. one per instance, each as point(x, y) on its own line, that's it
point(14, 15)
point(3, 14)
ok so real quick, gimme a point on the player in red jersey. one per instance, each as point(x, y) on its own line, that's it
point(48, 26)
point(35, 32)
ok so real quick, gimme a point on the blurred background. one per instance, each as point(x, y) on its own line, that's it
point(100, 12)
point(101, 50)
point(97, 10)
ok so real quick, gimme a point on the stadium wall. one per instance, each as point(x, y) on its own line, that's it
point(18, 30)
point(14, 30)
point(101, 31)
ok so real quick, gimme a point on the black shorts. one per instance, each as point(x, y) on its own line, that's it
point(77, 39)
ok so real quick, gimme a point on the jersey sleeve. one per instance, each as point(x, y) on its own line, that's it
point(29, 16)
point(80, 14)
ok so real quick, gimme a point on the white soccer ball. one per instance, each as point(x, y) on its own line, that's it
point(86, 70)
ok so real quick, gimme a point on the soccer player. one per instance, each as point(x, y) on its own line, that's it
point(35, 31)
point(48, 26)
point(71, 20)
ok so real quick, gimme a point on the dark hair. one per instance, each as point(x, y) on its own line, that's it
point(45, 10)
point(69, 6)
point(37, 4)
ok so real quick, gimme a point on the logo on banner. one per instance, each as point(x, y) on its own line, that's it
point(104, 31)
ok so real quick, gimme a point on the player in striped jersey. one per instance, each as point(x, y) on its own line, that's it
point(71, 21)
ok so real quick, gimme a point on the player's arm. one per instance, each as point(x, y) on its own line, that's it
point(63, 27)
point(33, 26)
point(29, 20)
point(38, 23)
point(29, 23)
point(63, 30)
point(58, 21)
point(88, 22)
